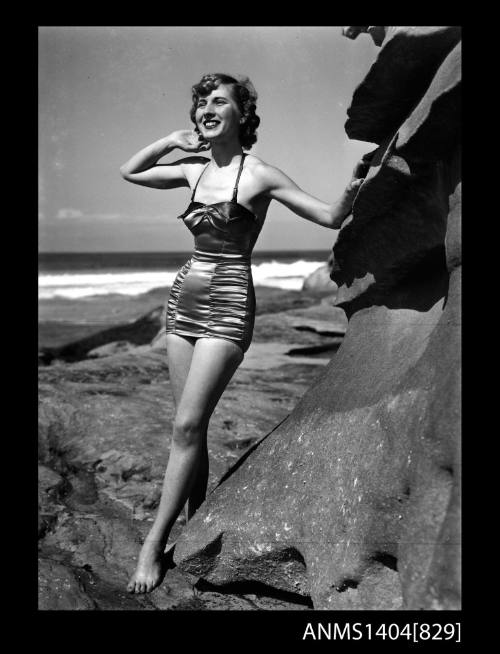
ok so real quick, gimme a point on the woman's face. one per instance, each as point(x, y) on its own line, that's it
point(217, 114)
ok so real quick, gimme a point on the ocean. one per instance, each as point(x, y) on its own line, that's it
point(81, 275)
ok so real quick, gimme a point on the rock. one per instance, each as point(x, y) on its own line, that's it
point(354, 498)
point(412, 175)
point(138, 332)
point(48, 480)
point(319, 282)
point(396, 82)
point(265, 356)
point(59, 589)
point(115, 347)
point(373, 255)
point(313, 325)
point(51, 486)
point(453, 243)
point(121, 466)
point(432, 129)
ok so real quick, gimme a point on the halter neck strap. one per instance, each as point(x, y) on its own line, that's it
point(235, 191)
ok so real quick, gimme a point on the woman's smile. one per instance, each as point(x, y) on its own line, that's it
point(217, 113)
point(210, 123)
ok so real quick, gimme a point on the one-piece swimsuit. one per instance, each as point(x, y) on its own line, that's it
point(213, 293)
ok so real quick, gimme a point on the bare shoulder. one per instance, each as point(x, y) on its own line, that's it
point(265, 174)
point(257, 165)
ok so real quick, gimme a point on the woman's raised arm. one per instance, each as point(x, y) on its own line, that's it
point(143, 168)
point(283, 189)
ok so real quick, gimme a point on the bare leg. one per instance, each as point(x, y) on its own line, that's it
point(150, 565)
point(180, 352)
point(199, 488)
point(213, 363)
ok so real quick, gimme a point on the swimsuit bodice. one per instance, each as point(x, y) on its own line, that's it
point(227, 227)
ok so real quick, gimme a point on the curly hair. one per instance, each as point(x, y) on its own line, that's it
point(245, 97)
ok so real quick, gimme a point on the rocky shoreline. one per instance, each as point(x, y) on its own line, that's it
point(105, 424)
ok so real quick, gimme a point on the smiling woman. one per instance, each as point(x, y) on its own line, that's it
point(211, 308)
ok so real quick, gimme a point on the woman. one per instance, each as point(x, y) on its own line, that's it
point(210, 312)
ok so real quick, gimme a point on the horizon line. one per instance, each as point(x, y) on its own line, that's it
point(170, 251)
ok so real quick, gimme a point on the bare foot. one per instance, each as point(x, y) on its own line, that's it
point(151, 568)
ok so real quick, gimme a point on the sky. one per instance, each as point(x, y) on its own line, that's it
point(106, 92)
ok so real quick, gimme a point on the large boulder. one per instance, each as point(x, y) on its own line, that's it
point(354, 499)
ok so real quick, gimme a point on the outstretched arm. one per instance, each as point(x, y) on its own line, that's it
point(143, 168)
point(280, 187)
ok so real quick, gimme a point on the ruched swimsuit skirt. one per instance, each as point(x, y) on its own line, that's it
point(213, 293)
